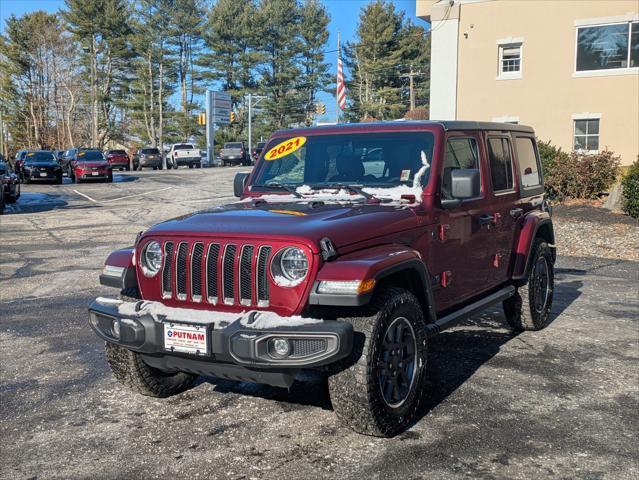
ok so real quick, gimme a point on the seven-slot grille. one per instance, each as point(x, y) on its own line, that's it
point(212, 272)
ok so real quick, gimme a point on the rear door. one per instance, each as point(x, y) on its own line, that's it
point(504, 205)
point(458, 257)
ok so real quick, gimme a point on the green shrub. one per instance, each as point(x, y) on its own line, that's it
point(577, 175)
point(630, 184)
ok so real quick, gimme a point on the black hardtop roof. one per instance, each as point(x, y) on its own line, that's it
point(397, 125)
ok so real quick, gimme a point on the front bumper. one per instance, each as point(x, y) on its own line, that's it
point(234, 348)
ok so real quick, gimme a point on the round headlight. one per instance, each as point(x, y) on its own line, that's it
point(289, 267)
point(152, 258)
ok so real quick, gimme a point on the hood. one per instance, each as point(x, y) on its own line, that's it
point(344, 223)
point(42, 163)
point(93, 164)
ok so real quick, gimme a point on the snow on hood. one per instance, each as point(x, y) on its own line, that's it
point(159, 312)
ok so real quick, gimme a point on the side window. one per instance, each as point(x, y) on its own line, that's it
point(460, 153)
point(501, 166)
point(528, 164)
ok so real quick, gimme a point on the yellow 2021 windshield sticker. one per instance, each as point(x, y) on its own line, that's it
point(282, 149)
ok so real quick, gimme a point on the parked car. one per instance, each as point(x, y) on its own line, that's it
point(41, 165)
point(351, 246)
point(234, 153)
point(19, 162)
point(148, 157)
point(184, 154)
point(118, 159)
point(9, 184)
point(90, 165)
point(257, 150)
point(66, 157)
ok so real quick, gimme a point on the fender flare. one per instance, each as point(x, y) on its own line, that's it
point(523, 247)
point(375, 263)
point(119, 269)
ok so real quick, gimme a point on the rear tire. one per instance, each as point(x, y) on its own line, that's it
point(380, 387)
point(130, 370)
point(529, 308)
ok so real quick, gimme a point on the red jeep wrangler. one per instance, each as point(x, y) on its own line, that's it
point(350, 245)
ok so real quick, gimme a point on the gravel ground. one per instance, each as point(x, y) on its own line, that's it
point(561, 403)
point(589, 231)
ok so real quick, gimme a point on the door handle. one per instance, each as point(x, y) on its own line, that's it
point(516, 212)
point(486, 219)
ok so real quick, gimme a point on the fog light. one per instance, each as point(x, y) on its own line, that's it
point(116, 328)
point(281, 347)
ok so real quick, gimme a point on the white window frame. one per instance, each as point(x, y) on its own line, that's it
point(510, 43)
point(625, 20)
point(585, 116)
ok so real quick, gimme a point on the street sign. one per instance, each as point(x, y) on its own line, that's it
point(218, 112)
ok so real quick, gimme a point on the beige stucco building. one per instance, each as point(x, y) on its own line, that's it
point(569, 68)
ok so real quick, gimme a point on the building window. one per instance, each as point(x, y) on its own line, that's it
point(608, 47)
point(501, 165)
point(586, 136)
point(510, 60)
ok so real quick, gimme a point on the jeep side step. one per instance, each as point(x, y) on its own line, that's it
point(462, 314)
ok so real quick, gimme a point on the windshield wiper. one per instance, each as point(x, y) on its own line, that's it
point(351, 188)
point(282, 186)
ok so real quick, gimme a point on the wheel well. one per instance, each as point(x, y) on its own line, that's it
point(546, 232)
point(408, 279)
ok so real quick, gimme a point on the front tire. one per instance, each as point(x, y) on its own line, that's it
point(380, 387)
point(130, 370)
point(529, 308)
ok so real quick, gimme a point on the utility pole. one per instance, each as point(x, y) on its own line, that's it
point(250, 117)
point(411, 88)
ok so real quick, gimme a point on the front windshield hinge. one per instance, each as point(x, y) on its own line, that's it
point(327, 248)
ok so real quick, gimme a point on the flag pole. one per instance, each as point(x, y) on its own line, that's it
point(337, 82)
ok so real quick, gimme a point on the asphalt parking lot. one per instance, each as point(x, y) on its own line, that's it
point(561, 403)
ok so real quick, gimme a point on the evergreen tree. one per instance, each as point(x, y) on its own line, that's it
point(386, 48)
point(314, 76)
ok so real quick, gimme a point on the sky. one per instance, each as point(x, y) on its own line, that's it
point(344, 17)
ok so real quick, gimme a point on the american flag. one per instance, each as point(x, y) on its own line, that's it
point(341, 88)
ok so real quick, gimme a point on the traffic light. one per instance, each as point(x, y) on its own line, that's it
point(232, 117)
point(201, 118)
point(320, 108)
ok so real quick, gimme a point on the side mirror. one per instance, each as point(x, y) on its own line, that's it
point(465, 183)
point(239, 182)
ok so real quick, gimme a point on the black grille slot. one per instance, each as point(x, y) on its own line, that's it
point(262, 276)
point(167, 288)
point(211, 272)
point(246, 274)
point(180, 280)
point(196, 272)
point(304, 347)
point(228, 274)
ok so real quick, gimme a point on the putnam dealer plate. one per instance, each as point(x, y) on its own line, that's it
point(179, 337)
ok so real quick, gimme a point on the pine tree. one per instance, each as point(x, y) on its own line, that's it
point(385, 48)
point(314, 75)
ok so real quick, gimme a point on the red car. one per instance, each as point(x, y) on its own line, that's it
point(350, 247)
point(90, 165)
point(118, 159)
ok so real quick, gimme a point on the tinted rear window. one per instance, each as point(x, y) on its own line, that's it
point(232, 145)
point(150, 151)
point(117, 152)
point(528, 165)
point(183, 146)
point(501, 167)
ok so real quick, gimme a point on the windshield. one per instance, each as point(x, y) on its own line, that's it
point(232, 145)
point(371, 159)
point(150, 151)
point(90, 155)
point(183, 146)
point(39, 157)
